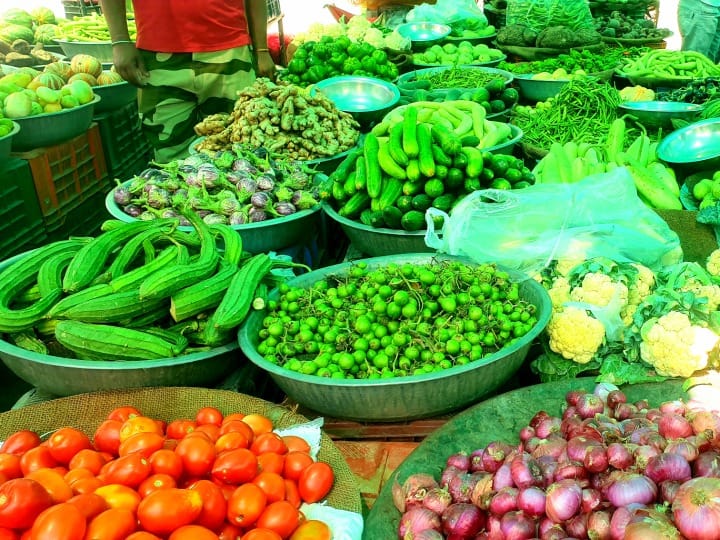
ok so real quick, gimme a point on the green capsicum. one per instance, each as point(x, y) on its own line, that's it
point(351, 65)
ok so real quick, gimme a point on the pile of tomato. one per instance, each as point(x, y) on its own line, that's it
point(213, 477)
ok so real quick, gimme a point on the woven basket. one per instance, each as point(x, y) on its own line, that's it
point(540, 53)
point(87, 411)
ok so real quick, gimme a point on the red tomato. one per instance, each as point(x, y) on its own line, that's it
point(235, 466)
point(165, 510)
point(230, 532)
point(209, 415)
point(139, 424)
point(166, 461)
point(107, 436)
point(128, 470)
point(312, 529)
point(259, 423)
point(90, 504)
point(268, 442)
point(92, 460)
point(119, 496)
point(246, 504)
point(211, 430)
point(142, 443)
point(8, 534)
point(271, 462)
point(59, 522)
point(281, 517)
point(315, 482)
point(123, 413)
point(66, 442)
point(54, 484)
point(238, 425)
point(292, 494)
point(112, 524)
point(177, 429)
point(143, 535)
point(272, 484)
point(295, 464)
point(193, 532)
point(37, 458)
point(86, 485)
point(197, 454)
point(19, 442)
point(21, 500)
point(233, 416)
point(231, 441)
point(214, 508)
point(296, 444)
point(10, 466)
point(155, 482)
point(261, 534)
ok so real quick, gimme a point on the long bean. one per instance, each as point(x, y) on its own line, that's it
point(458, 77)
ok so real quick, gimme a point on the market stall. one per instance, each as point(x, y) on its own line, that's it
point(446, 275)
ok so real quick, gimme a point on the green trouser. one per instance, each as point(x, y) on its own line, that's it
point(699, 25)
point(183, 88)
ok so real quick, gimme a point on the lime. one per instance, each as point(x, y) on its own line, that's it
point(495, 86)
point(499, 163)
point(500, 183)
point(513, 175)
point(480, 95)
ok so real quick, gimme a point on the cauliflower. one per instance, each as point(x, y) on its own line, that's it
point(559, 293)
point(397, 42)
point(712, 264)
point(599, 289)
point(374, 37)
point(674, 346)
point(575, 334)
point(641, 288)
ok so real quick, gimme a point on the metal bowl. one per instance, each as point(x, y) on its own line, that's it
point(366, 98)
point(6, 141)
point(102, 50)
point(424, 33)
point(400, 398)
point(660, 113)
point(489, 63)
point(538, 89)
point(114, 96)
point(48, 129)
point(694, 147)
point(507, 147)
point(412, 76)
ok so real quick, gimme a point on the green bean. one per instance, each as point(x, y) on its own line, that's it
point(457, 77)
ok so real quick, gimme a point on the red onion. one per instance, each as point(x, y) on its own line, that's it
point(412, 490)
point(653, 415)
point(603, 389)
point(643, 453)
point(615, 397)
point(503, 477)
point(517, 526)
point(548, 466)
point(547, 427)
point(460, 460)
point(570, 470)
point(682, 447)
point(591, 499)
point(629, 488)
point(427, 534)
point(476, 463)
point(619, 456)
point(596, 459)
point(642, 405)
point(526, 433)
point(492, 527)
point(417, 520)
point(570, 414)
point(554, 532)
point(482, 489)
point(537, 418)
point(577, 447)
point(707, 464)
point(649, 523)
point(563, 499)
point(437, 499)
point(504, 500)
point(696, 508)
point(642, 435)
point(702, 441)
point(668, 490)
point(448, 474)
point(673, 407)
point(461, 487)
point(554, 446)
point(525, 471)
point(494, 455)
point(667, 467)
point(619, 521)
point(599, 523)
point(588, 405)
point(623, 411)
point(577, 526)
point(531, 444)
point(572, 397)
point(463, 520)
point(531, 500)
point(709, 422)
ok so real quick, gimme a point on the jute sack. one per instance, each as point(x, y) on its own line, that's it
point(87, 411)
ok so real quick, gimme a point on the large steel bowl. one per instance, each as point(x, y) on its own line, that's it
point(6, 141)
point(412, 76)
point(535, 90)
point(660, 113)
point(424, 33)
point(507, 147)
point(366, 98)
point(102, 50)
point(399, 398)
point(694, 147)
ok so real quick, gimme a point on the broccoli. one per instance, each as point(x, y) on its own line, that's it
point(556, 37)
point(519, 35)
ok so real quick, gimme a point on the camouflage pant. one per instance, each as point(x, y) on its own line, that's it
point(183, 88)
point(699, 25)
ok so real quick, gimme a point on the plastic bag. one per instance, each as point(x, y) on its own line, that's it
point(526, 229)
point(539, 14)
point(448, 12)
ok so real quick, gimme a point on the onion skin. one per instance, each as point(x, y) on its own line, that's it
point(531, 501)
point(599, 523)
point(517, 526)
point(417, 520)
point(696, 508)
point(707, 464)
point(462, 519)
point(461, 460)
point(563, 500)
point(708, 423)
point(619, 456)
point(437, 499)
point(668, 467)
point(629, 488)
point(674, 426)
point(412, 490)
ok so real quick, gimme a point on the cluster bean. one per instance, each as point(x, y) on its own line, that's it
point(396, 320)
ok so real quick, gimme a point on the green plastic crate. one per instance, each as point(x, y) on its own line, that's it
point(21, 224)
point(81, 218)
point(124, 144)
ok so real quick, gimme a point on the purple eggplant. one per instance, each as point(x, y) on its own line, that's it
point(136, 185)
point(158, 198)
point(193, 180)
point(194, 160)
point(133, 210)
point(179, 198)
point(238, 218)
point(229, 206)
point(169, 213)
point(247, 185)
point(147, 215)
point(215, 219)
point(284, 208)
point(265, 182)
point(122, 195)
point(260, 199)
point(256, 214)
point(244, 165)
point(304, 200)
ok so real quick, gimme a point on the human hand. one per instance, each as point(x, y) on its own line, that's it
point(265, 65)
point(128, 63)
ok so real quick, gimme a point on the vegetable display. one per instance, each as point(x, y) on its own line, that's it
point(462, 53)
point(558, 37)
point(233, 187)
point(315, 61)
point(668, 65)
point(606, 468)
point(395, 321)
point(454, 78)
point(89, 28)
point(284, 119)
point(698, 91)
point(26, 94)
point(139, 290)
point(586, 61)
point(212, 476)
point(421, 155)
point(495, 98)
point(620, 25)
point(356, 29)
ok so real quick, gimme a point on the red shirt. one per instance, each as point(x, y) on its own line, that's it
point(190, 25)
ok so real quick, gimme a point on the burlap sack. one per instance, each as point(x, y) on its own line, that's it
point(87, 411)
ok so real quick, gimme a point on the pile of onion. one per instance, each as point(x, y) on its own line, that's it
point(607, 469)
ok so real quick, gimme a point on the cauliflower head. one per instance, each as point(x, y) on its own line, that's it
point(675, 347)
point(712, 264)
point(575, 334)
point(641, 288)
point(599, 289)
point(559, 293)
